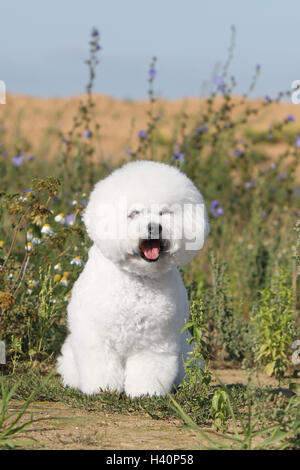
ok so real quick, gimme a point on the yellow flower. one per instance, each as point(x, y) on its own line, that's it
point(57, 278)
point(66, 274)
point(2, 243)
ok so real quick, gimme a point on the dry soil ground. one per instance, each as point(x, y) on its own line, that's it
point(101, 430)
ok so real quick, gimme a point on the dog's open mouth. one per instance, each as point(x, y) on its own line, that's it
point(151, 249)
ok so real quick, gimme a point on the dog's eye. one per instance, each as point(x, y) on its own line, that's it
point(133, 214)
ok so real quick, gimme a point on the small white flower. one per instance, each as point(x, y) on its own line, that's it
point(31, 285)
point(67, 297)
point(11, 276)
point(28, 246)
point(36, 241)
point(64, 281)
point(47, 230)
point(60, 218)
point(29, 235)
point(53, 301)
point(77, 260)
point(58, 267)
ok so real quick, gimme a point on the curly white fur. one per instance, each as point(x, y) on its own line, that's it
point(128, 307)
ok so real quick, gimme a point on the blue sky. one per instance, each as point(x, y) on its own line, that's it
point(44, 45)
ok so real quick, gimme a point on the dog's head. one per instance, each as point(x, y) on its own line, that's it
point(147, 217)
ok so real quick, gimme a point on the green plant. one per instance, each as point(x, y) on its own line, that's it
point(231, 328)
point(196, 371)
point(220, 409)
point(274, 326)
point(13, 424)
point(248, 434)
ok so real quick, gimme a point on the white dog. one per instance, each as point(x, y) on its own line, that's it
point(129, 304)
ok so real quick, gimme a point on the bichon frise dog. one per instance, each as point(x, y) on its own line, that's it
point(129, 305)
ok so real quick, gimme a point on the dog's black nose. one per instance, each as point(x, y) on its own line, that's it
point(154, 230)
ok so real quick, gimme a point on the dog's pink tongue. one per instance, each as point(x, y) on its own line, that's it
point(151, 249)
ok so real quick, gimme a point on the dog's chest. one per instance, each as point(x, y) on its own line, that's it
point(140, 311)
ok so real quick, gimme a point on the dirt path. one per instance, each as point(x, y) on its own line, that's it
point(101, 430)
point(98, 430)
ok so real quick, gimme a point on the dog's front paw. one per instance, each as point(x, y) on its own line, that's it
point(92, 387)
point(150, 374)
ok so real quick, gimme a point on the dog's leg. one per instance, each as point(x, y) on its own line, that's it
point(99, 370)
point(89, 369)
point(150, 373)
point(66, 366)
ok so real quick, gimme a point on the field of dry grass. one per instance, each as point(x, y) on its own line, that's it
point(38, 120)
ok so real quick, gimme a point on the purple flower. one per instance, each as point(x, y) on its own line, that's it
point(65, 140)
point(201, 129)
point(238, 153)
point(18, 160)
point(28, 190)
point(70, 219)
point(290, 118)
point(215, 209)
point(267, 99)
point(159, 117)
point(249, 185)
point(178, 156)
point(142, 134)
point(128, 151)
point(297, 143)
point(87, 134)
point(282, 176)
point(83, 202)
point(219, 82)
point(152, 73)
point(95, 32)
point(228, 125)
